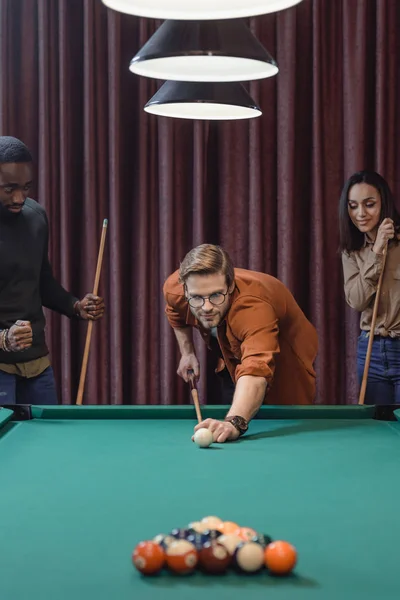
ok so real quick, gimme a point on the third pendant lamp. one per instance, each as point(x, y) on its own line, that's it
point(204, 101)
point(221, 50)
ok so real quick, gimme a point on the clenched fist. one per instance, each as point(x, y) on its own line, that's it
point(385, 233)
point(19, 336)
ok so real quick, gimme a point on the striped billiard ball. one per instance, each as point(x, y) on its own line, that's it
point(181, 557)
point(148, 557)
point(214, 558)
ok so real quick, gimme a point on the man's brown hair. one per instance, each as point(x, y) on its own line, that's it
point(207, 259)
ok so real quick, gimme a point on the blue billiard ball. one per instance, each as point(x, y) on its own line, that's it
point(212, 534)
point(198, 540)
point(181, 533)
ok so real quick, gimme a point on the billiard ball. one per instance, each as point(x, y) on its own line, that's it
point(181, 534)
point(164, 540)
point(198, 526)
point(280, 557)
point(214, 558)
point(212, 522)
point(230, 541)
point(262, 538)
point(228, 527)
point(246, 533)
point(249, 557)
point(212, 534)
point(181, 557)
point(148, 557)
point(198, 539)
point(203, 437)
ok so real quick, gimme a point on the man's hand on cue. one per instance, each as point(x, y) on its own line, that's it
point(189, 367)
point(90, 307)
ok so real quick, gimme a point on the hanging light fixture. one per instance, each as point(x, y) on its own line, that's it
point(206, 101)
point(223, 50)
point(199, 9)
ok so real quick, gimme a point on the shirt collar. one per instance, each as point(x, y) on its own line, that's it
point(368, 241)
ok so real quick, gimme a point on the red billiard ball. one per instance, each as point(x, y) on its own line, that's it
point(181, 557)
point(148, 557)
point(214, 558)
point(280, 557)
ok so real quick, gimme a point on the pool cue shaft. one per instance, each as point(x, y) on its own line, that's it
point(372, 332)
point(195, 395)
point(90, 324)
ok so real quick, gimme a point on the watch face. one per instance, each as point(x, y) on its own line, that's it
point(242, 423)
point(239, 422)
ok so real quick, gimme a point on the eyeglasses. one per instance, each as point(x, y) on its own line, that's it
point(216, 299)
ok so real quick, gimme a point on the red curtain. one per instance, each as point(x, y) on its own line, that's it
point(267, 190)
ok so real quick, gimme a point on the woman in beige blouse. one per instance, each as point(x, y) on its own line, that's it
point(369, 221)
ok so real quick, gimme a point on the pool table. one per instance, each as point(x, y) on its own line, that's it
point(81, 486)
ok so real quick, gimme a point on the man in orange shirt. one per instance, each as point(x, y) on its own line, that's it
point(263, 337)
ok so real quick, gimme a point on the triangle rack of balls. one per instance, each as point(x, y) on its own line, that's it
point(212, 545)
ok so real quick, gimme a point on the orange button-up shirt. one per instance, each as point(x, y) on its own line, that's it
point(264, 333)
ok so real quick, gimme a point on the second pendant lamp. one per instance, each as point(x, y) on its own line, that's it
point(224, 50)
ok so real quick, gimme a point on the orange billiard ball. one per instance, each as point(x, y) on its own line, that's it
point(246, 533)
point(181, 557)
point(227, 527)
point(280, 557)
point(148, 557)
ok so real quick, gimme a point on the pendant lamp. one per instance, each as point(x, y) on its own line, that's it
point(205, 101)
point(222, 50)
point(198, 9)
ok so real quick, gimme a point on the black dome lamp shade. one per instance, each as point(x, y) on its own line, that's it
point(206, 101)
point(223, 50)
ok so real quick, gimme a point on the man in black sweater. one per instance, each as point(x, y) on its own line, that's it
point(27, 285)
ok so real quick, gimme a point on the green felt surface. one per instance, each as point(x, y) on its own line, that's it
point(77, 494)
point(5, 415)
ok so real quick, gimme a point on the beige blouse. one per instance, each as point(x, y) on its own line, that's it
point(361, 270)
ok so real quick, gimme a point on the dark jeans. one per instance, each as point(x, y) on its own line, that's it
point(21, 390)
point(383, 384)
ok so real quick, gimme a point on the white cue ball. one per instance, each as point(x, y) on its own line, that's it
point(203, 437)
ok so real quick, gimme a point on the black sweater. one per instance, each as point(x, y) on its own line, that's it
point(26, 279)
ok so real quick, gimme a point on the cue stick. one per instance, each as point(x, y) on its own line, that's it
point(372, 332)
point(90, 324)
point(195, 395)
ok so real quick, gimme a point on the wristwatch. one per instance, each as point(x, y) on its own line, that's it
point(239, 422)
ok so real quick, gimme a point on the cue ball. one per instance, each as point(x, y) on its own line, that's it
point(203, 437)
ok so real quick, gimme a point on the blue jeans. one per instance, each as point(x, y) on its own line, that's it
point(22, 390)
point(383, 384)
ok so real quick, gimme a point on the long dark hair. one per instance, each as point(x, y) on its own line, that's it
point(352, 238)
